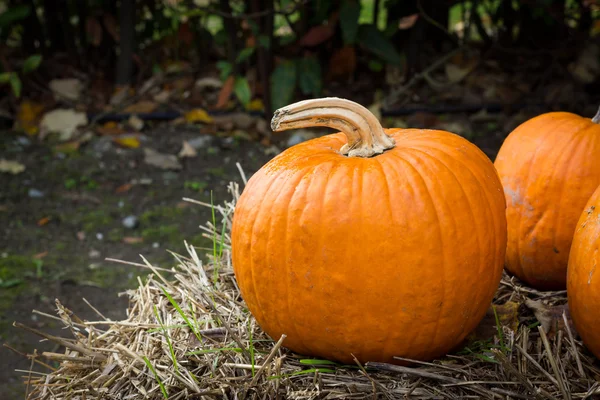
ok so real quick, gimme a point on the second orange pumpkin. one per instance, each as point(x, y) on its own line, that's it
point(549, 167)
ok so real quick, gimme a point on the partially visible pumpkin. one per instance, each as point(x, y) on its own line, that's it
point(549, 167)
point(374, 243)
point(583, 275)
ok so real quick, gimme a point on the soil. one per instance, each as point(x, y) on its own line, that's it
point(54, 246)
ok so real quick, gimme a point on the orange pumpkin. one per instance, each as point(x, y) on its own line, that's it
point(369, 242)
point(583, 275)
point(549, 167)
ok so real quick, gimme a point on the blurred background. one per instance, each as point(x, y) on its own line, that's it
point(112, 112)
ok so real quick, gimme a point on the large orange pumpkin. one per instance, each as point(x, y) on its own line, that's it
point(549, 167)
point(369, 242)
point(583, 275)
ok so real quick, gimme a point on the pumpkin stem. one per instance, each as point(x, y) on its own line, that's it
point(596, 118)
point(365, 134)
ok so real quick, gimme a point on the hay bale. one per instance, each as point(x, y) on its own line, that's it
point(188, 335)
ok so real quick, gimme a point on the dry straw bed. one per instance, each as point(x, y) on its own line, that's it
point(189, 335)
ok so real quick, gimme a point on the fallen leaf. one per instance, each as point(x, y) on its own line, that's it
point(198, 115)
point(255, 105)
point(317, 35)
point(225, 92)
point(132, 240)
point(508, 316)
point(124, 188)
point(111, 25)
point(129, 141)
point(208, 83)
point(342, 63)
point(187, 150)
point(11, 167)
point(94, 31)
point(160, 160)
point(28, 117)
point(110, 128)
point(43, 221)
point(68, 147)
point(141, 107)
point(69, 88)
point(120, 94)
point(41, 255)
point(135, 122)
point(408, 21)
point(62, 121)
point(550, 317)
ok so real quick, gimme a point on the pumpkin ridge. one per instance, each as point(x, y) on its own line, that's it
point(382, 170)
point(427, 192)
point(529, 274)
point(576, 142)
point(253, 234)
point(473, 221)
point(519, 265)
point(273, 226)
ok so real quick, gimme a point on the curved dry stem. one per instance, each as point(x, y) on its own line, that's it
point(365, 134)
point(596, 118)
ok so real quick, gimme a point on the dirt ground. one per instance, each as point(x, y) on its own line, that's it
point(66, 213)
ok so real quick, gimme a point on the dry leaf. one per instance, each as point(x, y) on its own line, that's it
point(132, 240)
point(225, 92)
point(135, 122)
point(11, 167)
point(70, 88)
point(94, 31)
point(317, 35)
point(68, 147)
point(550, 317)
point(187, 150)
point(142, 107)
point(160, 160)
point(43, 221)
point(62, 121)
point(408, 21)
point(110, 128)
point(28, 116)
point(41, 255)
point(508, 316)
point(124, 188)
point(255, 105)
point(342, 63)
point(198, 115)
point(130, 141)
point(112, 26)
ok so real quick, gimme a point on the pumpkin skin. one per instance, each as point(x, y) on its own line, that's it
point(583, 275)
point(398, 254)
point(549, 167)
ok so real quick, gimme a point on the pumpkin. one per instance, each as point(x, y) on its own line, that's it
point(368, 242)
point(549, 167)
point(583, 275)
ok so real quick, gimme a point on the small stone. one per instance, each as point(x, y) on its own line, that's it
point(94, 253)
point(145, 181)
point(200, 141)
point(170, 176)
point(130, 222)
point(121, 204)
point(35, 194)
point(99, 236)
point(155, 245)
point(102, 145)
point(23, 141)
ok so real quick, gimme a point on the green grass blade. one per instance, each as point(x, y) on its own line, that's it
point(169, 343)
point(162, 387)
point(180, 311)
